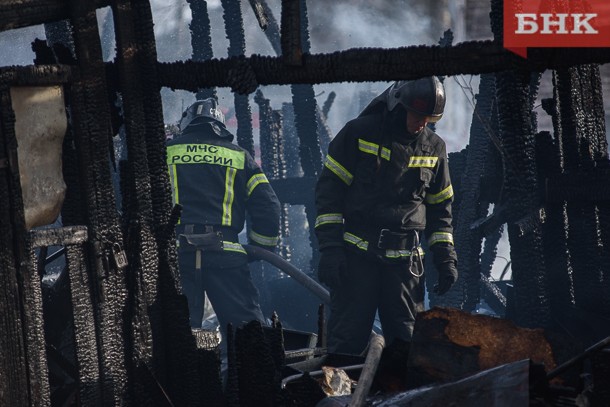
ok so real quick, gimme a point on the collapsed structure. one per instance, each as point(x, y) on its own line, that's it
point(130, 340)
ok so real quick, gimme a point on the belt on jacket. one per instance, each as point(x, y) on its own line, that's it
point(226, 233)
point(388, 239)
point(402, 240)
point(207, 238)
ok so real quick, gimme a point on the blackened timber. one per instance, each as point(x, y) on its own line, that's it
point(201, 39)
point(35, 336)
point(239, 74)
point(15, 383)
point(557, 256)
point(493, 296)
point(25, 13)
point(58, 236)
point(154, 125)
point(41, 75)
point(91, 122)
point(376, 64)
point(173, 332)
point(582, 126)
point(84, 335)
point(292, 50)
point(295, 191)
point(514, 94)
point(328, 103)
point(269, 25)
point(468, 244)
point(145, 318)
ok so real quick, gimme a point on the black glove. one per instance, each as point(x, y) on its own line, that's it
point(332, 267)
point(447, 276)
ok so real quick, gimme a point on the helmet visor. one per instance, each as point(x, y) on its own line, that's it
point(434, 119)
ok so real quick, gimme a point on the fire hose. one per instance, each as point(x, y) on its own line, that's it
point(256, 253)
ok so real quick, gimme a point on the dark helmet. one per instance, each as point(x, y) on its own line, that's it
point(205, 112)
point(425, 96)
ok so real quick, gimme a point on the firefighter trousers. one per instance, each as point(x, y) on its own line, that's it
point(226, 279)
point(373, 286)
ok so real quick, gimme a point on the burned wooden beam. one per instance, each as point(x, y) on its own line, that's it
point(292, 49)
point(268, 23)
point(201, 39)
point(22, 360)
point(375, 64)
point(41, 75)
point(58, 236)
point(493, 295)
point(468, 244)
point(25, 13)
point(579, 185)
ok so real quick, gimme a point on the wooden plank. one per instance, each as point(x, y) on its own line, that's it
point(24, 13)
point(374, 64)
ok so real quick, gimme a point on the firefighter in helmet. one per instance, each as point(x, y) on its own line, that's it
point(217, 182)
point(384, 188)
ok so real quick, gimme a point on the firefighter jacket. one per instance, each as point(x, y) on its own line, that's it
point(217, 182)
point(376, 177)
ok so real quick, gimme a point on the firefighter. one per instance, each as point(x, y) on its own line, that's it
point(384, 188)
point(217, 183)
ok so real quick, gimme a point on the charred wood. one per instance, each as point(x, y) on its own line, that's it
point(84, 334)
point(58, 236)
point(146, 320)
point(201, 39)
point(256, 369)
point(91, 127)
point(22, 302)
point(324, 133)
point(23, 13)
point(467, 243)
point(40, 75)
point(321, 327)
point(600, 368)
point(273, 161)
point(584, 147)
point(291, 143)
point(490, 251)
point(516, 89)
point(232, 385)
point(241, 77)
point(268, 24)
point(328, 103)
point(492, 294)
point(209, 373)
point(354, 65)
point(548, 155)
point(291, 34)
